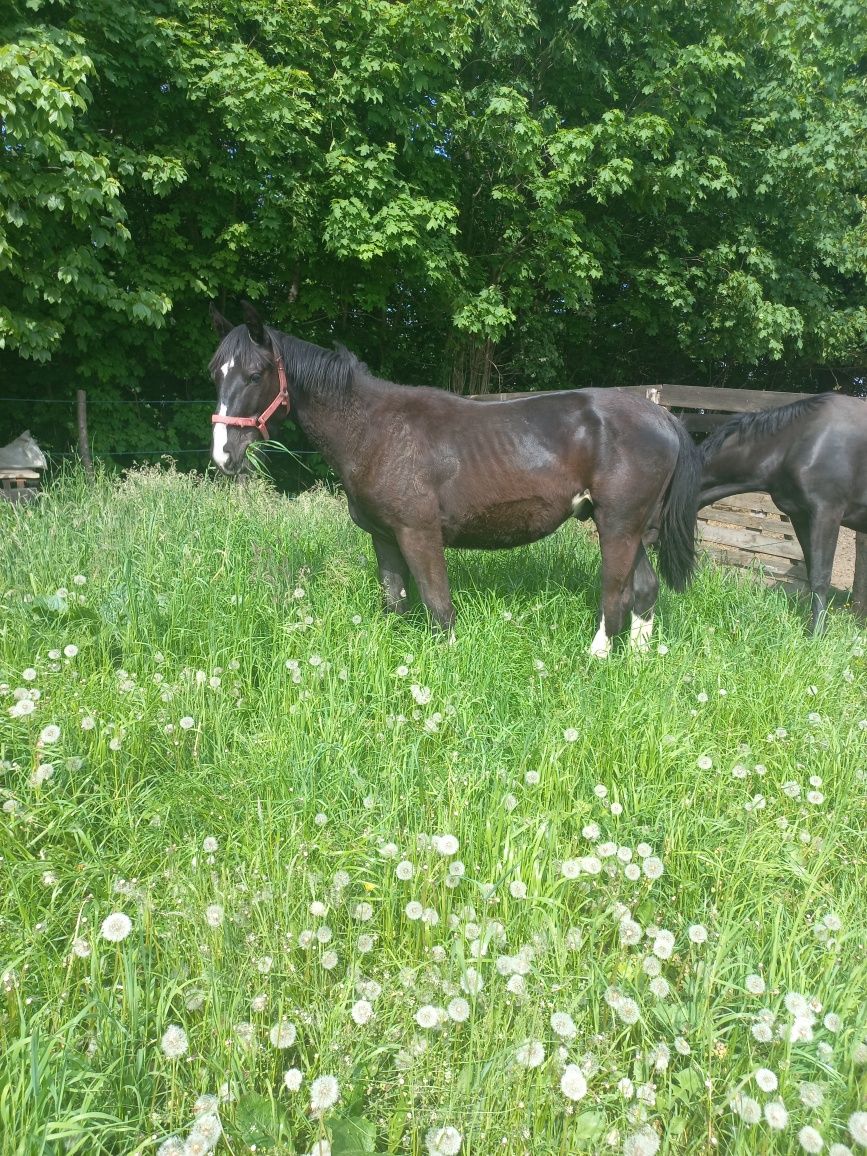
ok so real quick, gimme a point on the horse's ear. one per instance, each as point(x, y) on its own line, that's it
point(219, 322)
point(253, 322)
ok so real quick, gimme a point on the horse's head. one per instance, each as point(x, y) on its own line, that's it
point(251, 389)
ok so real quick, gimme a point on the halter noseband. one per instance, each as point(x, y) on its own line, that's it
point(261, 422)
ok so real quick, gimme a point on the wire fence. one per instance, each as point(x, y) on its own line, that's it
point(204, 451)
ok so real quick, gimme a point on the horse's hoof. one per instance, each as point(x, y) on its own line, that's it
point(600, 647)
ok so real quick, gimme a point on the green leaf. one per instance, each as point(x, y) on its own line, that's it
point(351, 1135)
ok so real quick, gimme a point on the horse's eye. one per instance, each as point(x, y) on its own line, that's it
point(255, 378)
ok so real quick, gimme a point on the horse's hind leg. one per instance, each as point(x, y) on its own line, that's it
point(393, 575)
point(619, 554)
point(423, 551)
point(645, 587)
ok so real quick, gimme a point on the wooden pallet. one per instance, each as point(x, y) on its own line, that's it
point(18, 485)
point(747, 530)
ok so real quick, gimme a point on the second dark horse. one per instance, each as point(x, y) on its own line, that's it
point(424, 469)
point(811, 457)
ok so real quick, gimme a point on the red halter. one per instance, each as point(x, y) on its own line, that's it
point(261, 422)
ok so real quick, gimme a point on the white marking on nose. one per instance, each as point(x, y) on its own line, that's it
point(226, 366)
point(600, 647)
point(640, 632)
point(221, 435)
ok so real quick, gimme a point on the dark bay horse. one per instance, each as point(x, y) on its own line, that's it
point(424, 469)
point(811, 457)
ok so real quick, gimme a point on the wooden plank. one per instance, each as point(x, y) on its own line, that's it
point(752, 501)
point(729, 400)
point(775, 570)
point(29, 475)
point(686, 397)
point(760, 522)
point(748, 540)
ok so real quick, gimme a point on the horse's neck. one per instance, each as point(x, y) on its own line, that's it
point(736, 467)
point(335, 426)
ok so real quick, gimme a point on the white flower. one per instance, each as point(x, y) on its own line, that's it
point(766, 1079)
point(173, 1146)
point(458, 1010)
point(209, 844)
point(628, 1010)
point(428, 1016)
point(443, 1141)
point(447, 845)
point(697, 933)
point(749, 1110)
point(70, 650)
point(652, 867)
point(292, 1080)
point(80, 948)
point(832, 1022)
point(362, 1012)
point(324, 1094)
point(570, 735)
point(174, 1042)
point(755, 985)
point(563, 1025)
point(531, 1054)
point(49, 734)
point(116, 927)
point(776, 1115)
point(858, 1128)
point(663, 945)
point(704, 763)
point(644, 1142)
point(518, 889)
point(810, 1140)
point(413, 909)
point(214, 914)
point(404, 870)
point(810, 1095)
point(283, 1034)
point(208, 1129)
point(572, 1083)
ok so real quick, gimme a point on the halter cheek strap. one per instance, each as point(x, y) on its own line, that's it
point(261, 422)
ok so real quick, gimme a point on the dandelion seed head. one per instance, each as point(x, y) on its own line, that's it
point(174, 1042)
point(116, 927)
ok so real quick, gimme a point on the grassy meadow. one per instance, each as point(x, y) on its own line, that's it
point(282, 874)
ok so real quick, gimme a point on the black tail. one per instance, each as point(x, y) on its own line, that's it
point(676, 544)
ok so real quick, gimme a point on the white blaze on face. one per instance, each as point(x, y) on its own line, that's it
point(640, 632)
point(221, 435)
point(600, 647)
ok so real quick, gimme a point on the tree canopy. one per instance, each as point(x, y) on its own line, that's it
point(477, 194)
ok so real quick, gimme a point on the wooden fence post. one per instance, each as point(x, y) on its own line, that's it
point(859, 583)
point(83, 444)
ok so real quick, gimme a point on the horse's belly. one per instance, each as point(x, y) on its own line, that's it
point(504, 524)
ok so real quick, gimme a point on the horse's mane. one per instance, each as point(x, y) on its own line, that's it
point(313, 369)
point(764, 423)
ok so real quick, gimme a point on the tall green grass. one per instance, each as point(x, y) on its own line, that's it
point(230, 677)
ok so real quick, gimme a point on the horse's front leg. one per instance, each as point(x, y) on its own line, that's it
point(424, 554)
point(824, 532)
point(393, 574)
